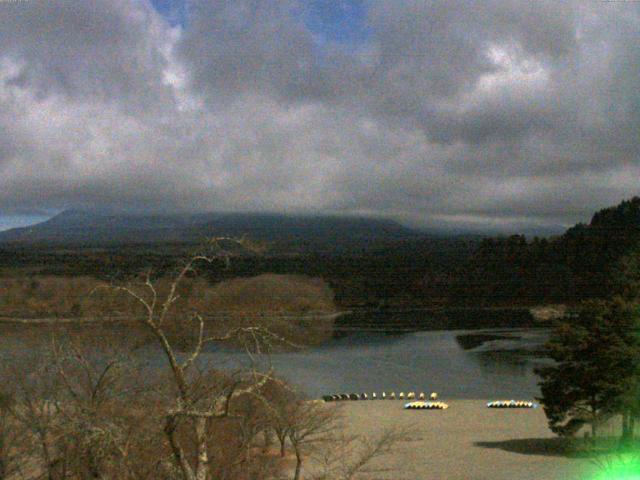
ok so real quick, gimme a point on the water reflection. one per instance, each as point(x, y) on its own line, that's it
point(496, 363)
point(427, 361)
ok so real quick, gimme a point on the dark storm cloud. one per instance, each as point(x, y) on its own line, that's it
point(455, 112)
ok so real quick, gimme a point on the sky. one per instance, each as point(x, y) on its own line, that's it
point(487, 114)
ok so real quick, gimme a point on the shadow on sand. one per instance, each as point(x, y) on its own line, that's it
point(550, 447)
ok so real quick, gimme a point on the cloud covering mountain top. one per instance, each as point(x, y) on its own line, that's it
point(453, 112)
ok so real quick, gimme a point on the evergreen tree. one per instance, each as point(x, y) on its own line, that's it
point(597, 366)
point(625, 283)
point(625, 276)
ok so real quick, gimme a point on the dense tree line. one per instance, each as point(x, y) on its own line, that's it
point(596, 351)
point(421, 272)
point(399, 273)
point(596, 373)
point(573, 267)
point(512, 271)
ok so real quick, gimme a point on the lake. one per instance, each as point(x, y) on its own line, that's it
point(490, 363)
point(487, 363)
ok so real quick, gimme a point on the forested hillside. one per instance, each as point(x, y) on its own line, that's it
point(579, 264)
point(379, 271)
point(402, 273)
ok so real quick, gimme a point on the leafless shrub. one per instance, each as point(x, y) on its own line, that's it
point(354, 457)
point(86, 409)
point(197, 406)
point(10, 451)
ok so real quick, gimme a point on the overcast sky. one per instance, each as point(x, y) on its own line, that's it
point(488, 113)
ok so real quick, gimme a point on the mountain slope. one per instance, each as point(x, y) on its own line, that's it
point(92, 228)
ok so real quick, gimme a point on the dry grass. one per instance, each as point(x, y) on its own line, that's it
point(268, 294)
point(43, 296)
point(293, 306)
point(271, 293)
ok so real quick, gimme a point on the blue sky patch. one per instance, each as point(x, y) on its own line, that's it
point(175, 11)
point(14, 221)
point(340, 21)
point(331, 21)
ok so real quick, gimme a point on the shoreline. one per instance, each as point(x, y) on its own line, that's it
point(431, 319)
point(125, 318)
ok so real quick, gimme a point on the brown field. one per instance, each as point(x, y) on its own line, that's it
point(58, 296)
point(296, 307)
point(467, 442)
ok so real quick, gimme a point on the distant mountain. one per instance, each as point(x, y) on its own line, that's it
point(80, 227)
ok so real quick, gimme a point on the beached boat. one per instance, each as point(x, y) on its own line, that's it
point(511, 404)
point(426, 406)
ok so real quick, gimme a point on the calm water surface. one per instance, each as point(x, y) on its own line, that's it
point(420, 361)
point(488, 363)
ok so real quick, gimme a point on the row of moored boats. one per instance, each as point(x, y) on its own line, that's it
point(420, 405)
point(382, 396)
point(422, 402)
point(511, 404)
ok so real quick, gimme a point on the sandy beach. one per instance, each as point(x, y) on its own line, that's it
point(467, 441)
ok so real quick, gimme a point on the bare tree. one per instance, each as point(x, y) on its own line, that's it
point(71, 412)
point(10, 451)
point(351, 457)
point(35, 412)
point(84, 409)
point(315, 432)
point(309, 423)
point(96, 408)
point(282, 403)
point(196, 403)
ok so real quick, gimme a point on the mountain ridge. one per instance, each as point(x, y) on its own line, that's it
point(75, 227)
